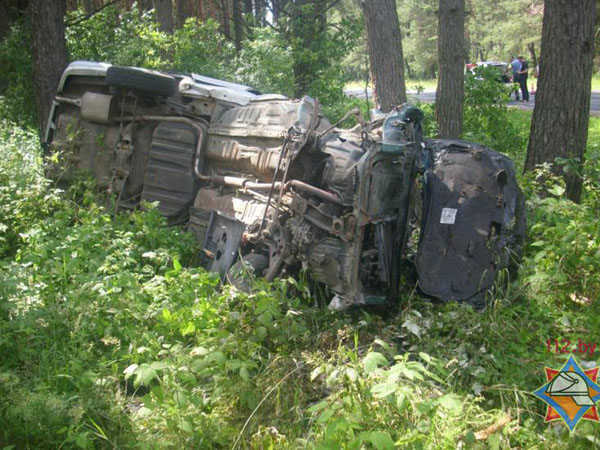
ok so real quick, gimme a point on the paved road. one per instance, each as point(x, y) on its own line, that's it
point(429, 97)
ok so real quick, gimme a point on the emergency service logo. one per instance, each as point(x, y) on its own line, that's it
point(570, 393)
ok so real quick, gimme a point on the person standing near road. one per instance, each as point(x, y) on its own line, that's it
point(516, 66)
point(523, 73)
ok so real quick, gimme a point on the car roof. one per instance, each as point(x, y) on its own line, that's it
point(492, 63)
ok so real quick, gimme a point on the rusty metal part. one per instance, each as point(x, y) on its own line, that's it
point(68, 100)
point(244, 183)
point(177, 119)
point(97, 108)
point(284, 149)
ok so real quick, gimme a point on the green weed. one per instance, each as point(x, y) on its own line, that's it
point(111, 337)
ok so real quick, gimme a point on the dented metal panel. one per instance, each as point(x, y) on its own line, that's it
point(170, 178)
point(473, 221)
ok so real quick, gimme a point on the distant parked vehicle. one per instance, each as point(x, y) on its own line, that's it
point(502, 69)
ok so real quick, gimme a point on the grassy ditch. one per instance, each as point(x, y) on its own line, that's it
point(111, 337)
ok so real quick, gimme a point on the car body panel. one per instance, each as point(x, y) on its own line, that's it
point(472, 221)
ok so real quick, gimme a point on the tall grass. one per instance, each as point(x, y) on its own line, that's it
point(111, 338)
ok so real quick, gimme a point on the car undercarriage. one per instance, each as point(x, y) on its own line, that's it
point(268, 184)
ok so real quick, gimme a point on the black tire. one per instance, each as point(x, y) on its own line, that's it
point(140, 80)
point(246, 269)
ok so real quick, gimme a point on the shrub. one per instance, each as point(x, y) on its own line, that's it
point(25, 196)
point(17, 96)
point(564, 249)
point(118, 37)
point(486, 117)
point(265, 63)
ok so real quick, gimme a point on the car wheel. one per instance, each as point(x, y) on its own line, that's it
point(246, 269)
point(140, 80)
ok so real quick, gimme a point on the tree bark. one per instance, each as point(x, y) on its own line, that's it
point(386, 60)
point(450, 93)
point(559, 126)
point(212, 11)
point(182, 8)
point(276, 10)
point(144, 5)
point(238, 26)
point(225, 27)
point(248, 7)
point(72, 5)
point(49, 52)
point(248, 14)
point(532, 54)
point(4, 29)
point(4, 21)
point(164, 15)
point(260, 12)
point(88, 6)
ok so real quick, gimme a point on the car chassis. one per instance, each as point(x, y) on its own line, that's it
point(268, 182)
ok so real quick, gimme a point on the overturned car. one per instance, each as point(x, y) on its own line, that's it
point(267, 183)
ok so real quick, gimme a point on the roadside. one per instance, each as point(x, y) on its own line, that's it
point(428, 96)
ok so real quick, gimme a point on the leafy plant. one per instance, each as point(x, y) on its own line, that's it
point(17, 98)
point(486, 117)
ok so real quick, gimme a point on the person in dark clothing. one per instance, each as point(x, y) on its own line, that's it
point(523, 74)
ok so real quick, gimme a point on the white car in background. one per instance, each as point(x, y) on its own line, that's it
point(503, 69)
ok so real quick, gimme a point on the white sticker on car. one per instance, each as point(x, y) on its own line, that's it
point(448, 216)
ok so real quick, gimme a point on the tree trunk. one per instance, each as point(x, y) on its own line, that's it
point(386, 60)
point(4, 29)
point(212, 11)
point(225, 27)
point(72, 5)
point(4, 21)
point(238, 26)
point(260, 12)
point(49, 52)
point(534, 61)
point(182, 11)
point(248, 12)
point(248, 7)
point(164, 15)
point(408, 71)
point(562, 105)
point(276, 10)
point(144, 5)
point(450, 92)
point(88, 6)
